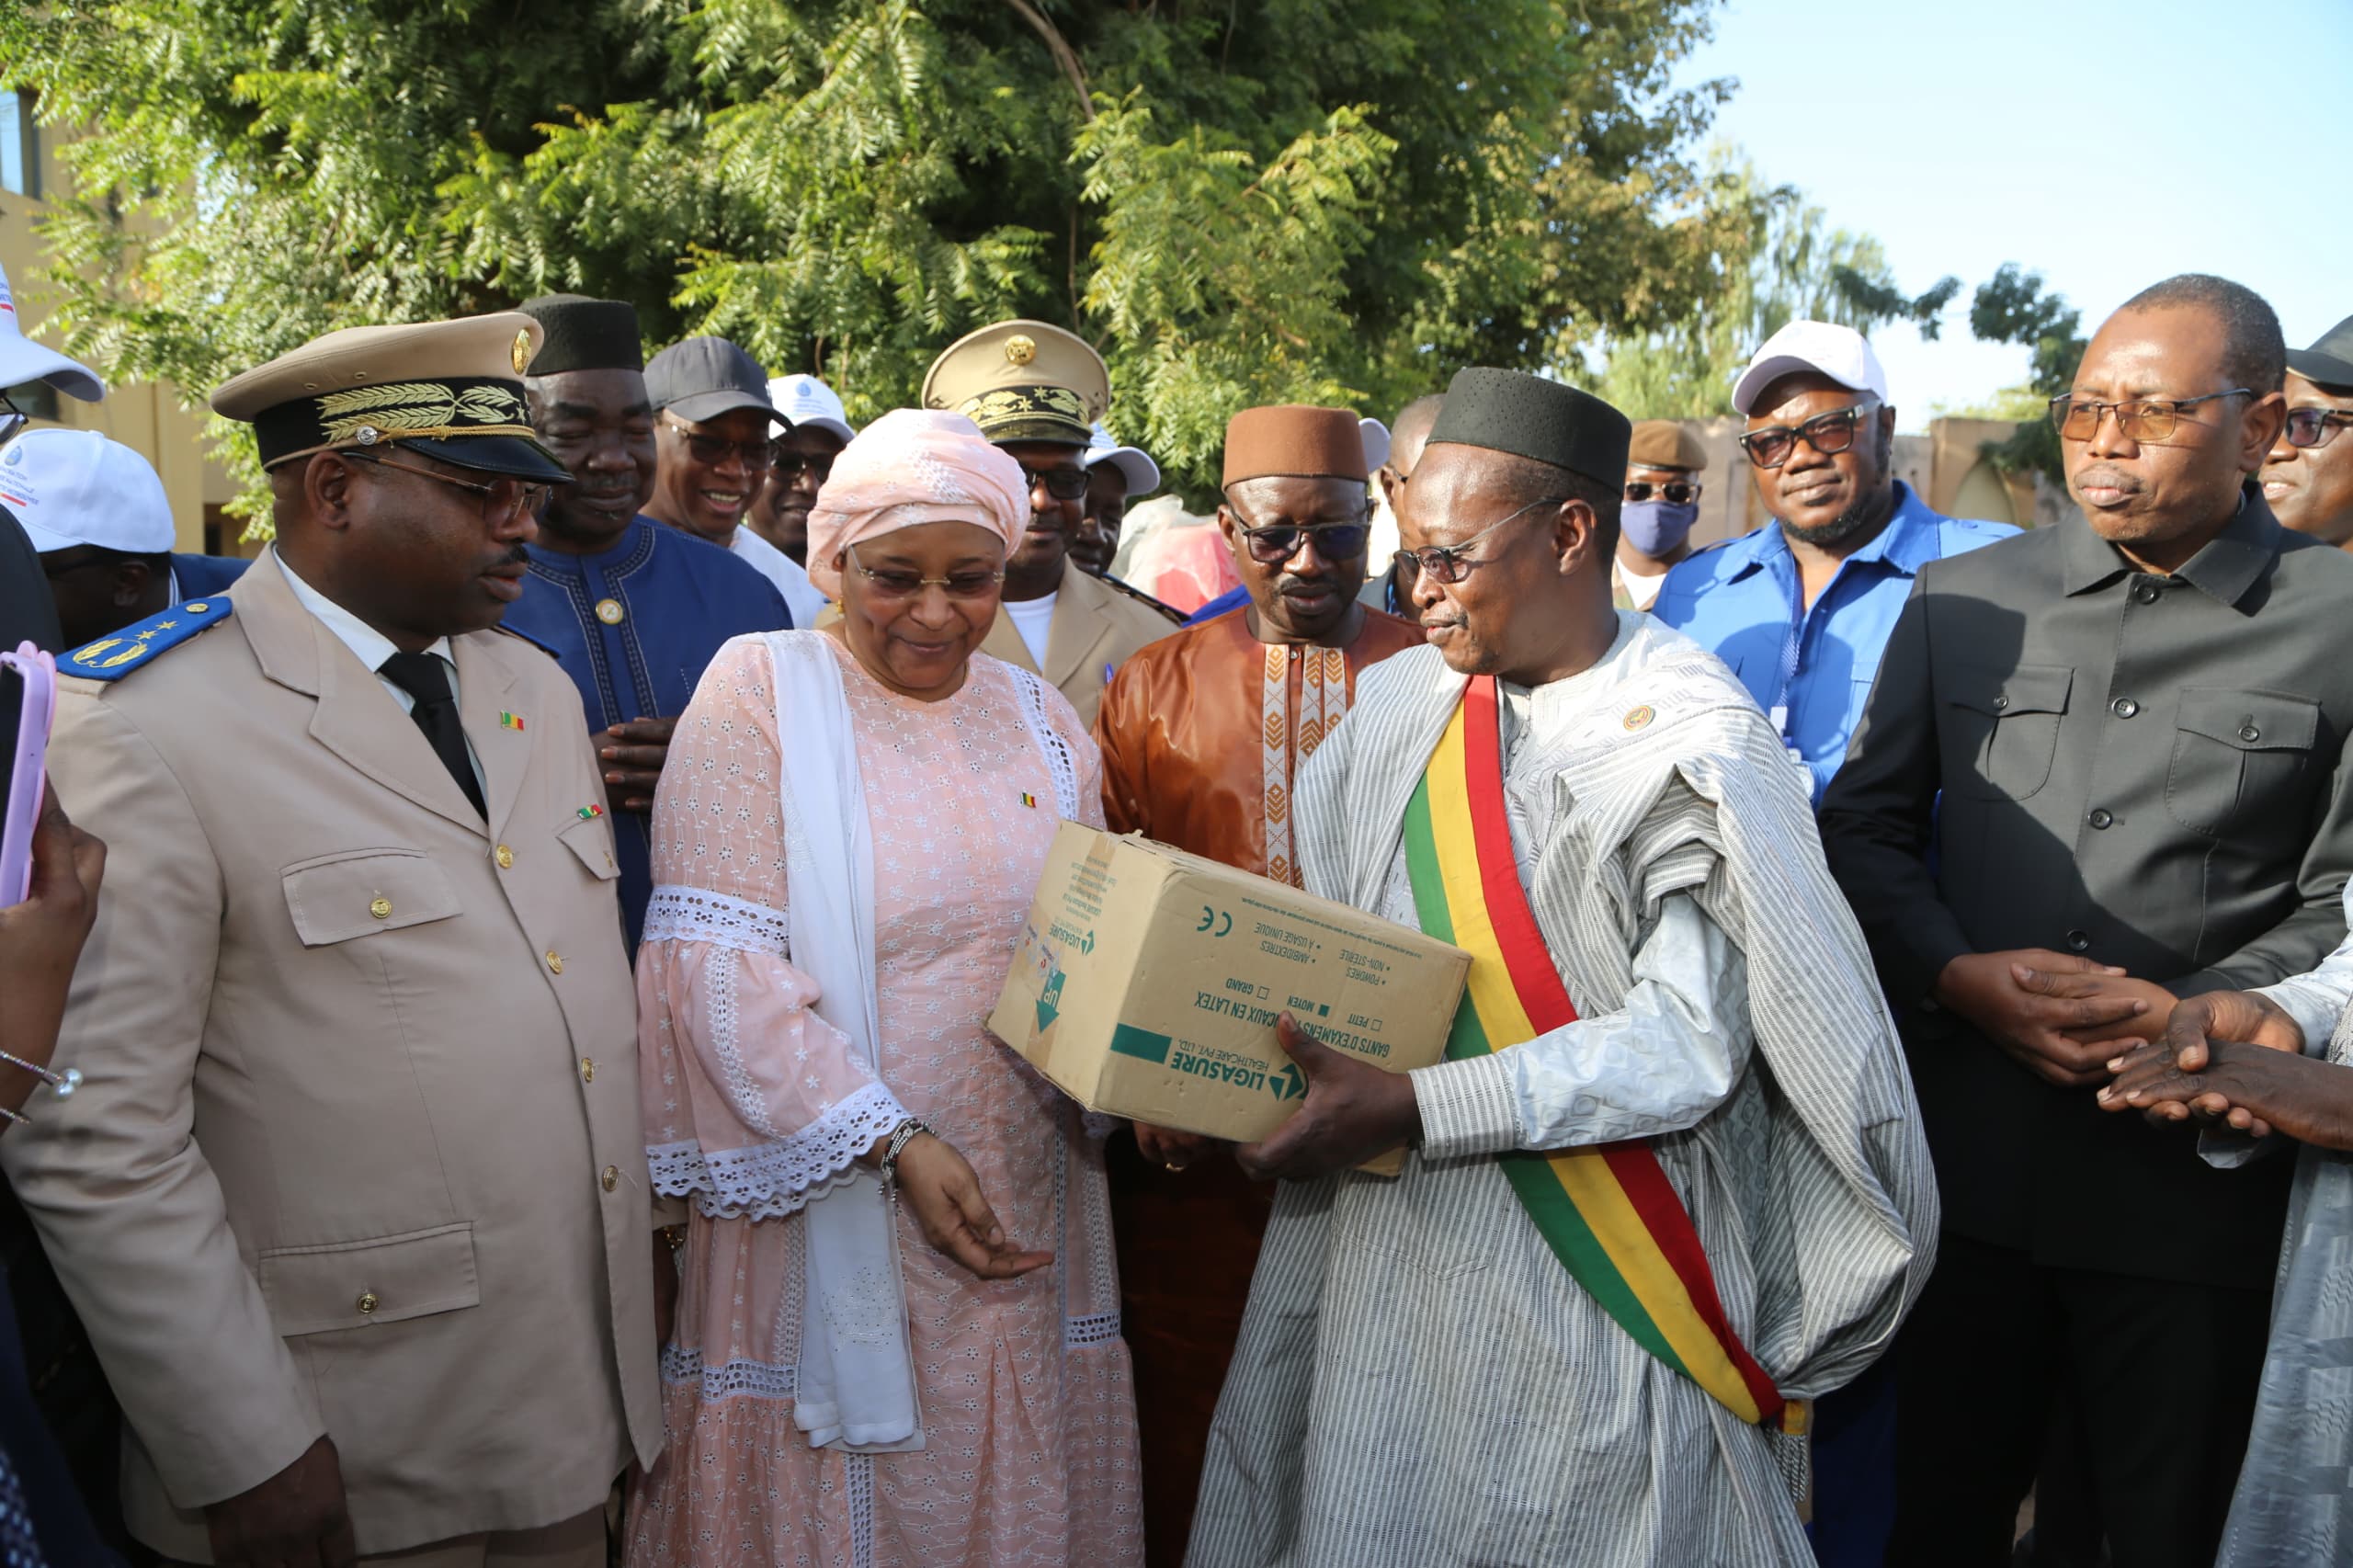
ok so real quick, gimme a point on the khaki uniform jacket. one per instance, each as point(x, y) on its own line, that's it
point(1095, 627)
point(357, 1151)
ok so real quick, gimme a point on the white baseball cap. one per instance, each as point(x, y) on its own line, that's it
point(22, 359)
point(1376, 443)
point(805, 399)
point(71, 487)
point(1142, 473)
point(1838, 352)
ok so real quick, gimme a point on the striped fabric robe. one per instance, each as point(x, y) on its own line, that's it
point(1419, 1381)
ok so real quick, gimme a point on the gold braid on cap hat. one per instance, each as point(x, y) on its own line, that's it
point(1009, 403)
point(412, 411)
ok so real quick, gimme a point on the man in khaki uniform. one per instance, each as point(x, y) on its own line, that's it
point(1037, 392)
point(353, 1197)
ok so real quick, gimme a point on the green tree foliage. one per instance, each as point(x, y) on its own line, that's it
point(1238, 200)
point(1776, 260)
point(2011, 307)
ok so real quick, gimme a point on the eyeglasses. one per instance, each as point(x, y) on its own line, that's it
point(789, 466)
point(2149, 419)
point(500, 498)
point(1452, 562)
point(1275, 543)
point(887, 583)
point(1675, 492)
point(1828, 434)
point(2314, 428)
point(1061, 484)
point(713, 450)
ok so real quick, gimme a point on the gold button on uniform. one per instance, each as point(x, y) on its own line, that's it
point(555, 961)
point(587, 1070)
point(609, 611)
point(611, 1178)
point(381, 908)
point(505, 859)
point(366, 1302)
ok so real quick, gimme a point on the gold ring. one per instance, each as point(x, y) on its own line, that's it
point(1173, 1164)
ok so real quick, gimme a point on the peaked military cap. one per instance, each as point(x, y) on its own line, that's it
point(1022, 380)
point(451, 391)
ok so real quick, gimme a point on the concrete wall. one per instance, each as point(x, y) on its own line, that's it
point(145, 416)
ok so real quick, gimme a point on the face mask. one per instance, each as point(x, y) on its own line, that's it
point(1656, 528)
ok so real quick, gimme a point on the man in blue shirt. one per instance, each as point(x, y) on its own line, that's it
point(632, 611)
point(1802, 607)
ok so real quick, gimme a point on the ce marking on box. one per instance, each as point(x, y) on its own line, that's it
point(1219, 922)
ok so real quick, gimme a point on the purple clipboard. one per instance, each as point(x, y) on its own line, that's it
point(27, 778)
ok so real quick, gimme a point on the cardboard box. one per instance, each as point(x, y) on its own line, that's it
point(1148, 982)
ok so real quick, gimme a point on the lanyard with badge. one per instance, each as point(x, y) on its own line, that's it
point(1792, 643)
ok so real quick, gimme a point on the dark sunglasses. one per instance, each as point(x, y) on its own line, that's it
point(1675, 492)
point(1334, 542)
point(2315, 428)
point(1061, 484)
point(2149, 419)
point(713, 450)
point(789, 466)
point(1828, 434)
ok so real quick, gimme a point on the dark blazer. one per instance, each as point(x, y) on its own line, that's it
point(2064, 752)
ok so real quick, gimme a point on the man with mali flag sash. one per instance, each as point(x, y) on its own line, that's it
point(1669, 1183)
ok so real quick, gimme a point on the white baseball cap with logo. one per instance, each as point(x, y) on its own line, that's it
point(805, 399)
point(1141, 473)
point(75, 487)
point(1838, 352)
point(23, 360)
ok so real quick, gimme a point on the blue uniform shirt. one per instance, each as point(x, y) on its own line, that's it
point(1740, 601)
point(668, 602)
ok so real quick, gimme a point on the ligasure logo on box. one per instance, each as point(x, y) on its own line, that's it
point(1216, 1064)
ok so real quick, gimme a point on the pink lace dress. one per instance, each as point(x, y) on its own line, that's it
point(1027, 1405)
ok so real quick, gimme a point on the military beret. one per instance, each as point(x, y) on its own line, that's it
point(1022, 380)
point(1663, 443)
point(448, 389)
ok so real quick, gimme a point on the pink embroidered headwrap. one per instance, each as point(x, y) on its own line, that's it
point(912, 465)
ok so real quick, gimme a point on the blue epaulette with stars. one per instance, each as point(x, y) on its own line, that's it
point(117, 653)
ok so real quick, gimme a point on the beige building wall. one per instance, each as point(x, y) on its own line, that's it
point(145, 416)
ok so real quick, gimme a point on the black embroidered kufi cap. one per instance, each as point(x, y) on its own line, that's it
point(1509, 411)
point(582, 334)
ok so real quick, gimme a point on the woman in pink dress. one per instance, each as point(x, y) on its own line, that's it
point(897, 1338)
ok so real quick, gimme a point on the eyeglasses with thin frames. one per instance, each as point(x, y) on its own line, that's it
point(788, 466)
point(500, 498)
point(1828, 434)
point(1450, 563)
point(711, 450)
point(887, 583)
point(2148, 419)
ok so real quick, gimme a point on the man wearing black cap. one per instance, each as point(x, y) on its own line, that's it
point(353, 1197)
point(633, 611)
point(1582, 1323)
point(715, 427)
point(2308, 477)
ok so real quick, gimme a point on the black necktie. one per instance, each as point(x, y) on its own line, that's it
point(424, 678)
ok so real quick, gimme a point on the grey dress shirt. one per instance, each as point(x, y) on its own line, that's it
point(2063, 751)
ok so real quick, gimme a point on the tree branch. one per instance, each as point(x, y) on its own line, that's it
point(1065, 56)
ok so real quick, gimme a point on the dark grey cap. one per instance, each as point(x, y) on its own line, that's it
point(2329, 360)
point(1509, 411)
point(702, 378)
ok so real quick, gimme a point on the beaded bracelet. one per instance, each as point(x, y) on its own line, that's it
point(901, 1136)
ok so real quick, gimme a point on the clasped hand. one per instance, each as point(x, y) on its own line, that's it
point(2058, 1014)
point(2235, 1059)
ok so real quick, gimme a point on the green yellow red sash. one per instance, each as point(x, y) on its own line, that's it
point(1607, 1211)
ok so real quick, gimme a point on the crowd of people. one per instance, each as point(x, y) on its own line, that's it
point(492, 1057)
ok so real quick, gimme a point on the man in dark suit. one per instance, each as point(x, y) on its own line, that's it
point(2104, 767)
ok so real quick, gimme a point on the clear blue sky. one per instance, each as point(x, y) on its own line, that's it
point(2103, 145)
